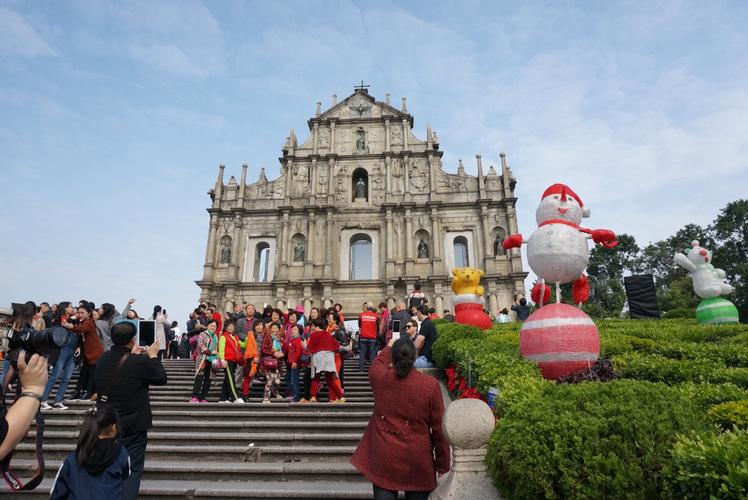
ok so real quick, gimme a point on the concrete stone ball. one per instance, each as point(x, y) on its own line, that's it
point(468, 423)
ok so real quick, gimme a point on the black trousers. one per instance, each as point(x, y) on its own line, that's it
point(202, 382)
point(135, 445)
point(86, 381)
point(382, 494)
point(228, 389)
point(307, 384)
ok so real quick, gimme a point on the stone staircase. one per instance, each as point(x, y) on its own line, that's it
point(212, 450)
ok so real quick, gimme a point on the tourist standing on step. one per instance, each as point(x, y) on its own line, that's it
point(272, 354)
point(232, 355)
point(292, 317)
point(162, 325)
point(323, 347)
point(368, 323)
point(425, 339)
point(123, 378)
point(251, 357)
point(404, 446)
point(294, 359)
point(207, 353)
point(65, 365)
point(92, 350)
point(99, 465)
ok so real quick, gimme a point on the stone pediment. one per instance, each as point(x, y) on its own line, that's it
point(360, 105)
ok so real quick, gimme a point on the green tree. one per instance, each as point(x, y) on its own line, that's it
point(730, 230)
point(606, 269)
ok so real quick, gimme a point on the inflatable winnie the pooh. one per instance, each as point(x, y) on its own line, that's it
point(467, 281)
point(468, 299)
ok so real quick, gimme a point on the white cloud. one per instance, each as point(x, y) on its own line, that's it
point(166, 58)
point(18, 37)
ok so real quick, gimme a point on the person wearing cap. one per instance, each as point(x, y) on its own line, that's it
point(125, 385)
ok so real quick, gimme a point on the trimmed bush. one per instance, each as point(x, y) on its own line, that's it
point(709, 466)
point(591, 440)
point(729, 415)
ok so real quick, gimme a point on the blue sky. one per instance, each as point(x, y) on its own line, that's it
point(115, 116)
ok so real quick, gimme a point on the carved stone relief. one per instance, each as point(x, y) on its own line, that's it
point(322, 179)
point(343, 141)
point(376, 142)
point(324, 138)
point(359, 108)
point(397, 135)
point(418, 173)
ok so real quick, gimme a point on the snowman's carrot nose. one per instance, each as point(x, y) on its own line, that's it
point(563, 193)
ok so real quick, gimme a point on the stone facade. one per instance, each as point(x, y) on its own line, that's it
point(361, 211)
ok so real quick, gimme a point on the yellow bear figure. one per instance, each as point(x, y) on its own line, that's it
point(466, 280)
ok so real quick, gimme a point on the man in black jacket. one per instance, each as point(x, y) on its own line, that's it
point(425, 339)
point(125, 386)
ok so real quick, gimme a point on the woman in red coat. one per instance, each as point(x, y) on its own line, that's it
point(404, 446)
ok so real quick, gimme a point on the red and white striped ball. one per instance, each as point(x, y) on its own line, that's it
point(561, 339)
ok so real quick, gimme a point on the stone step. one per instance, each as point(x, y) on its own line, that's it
point(225, 425)
point(301, 437)
point(231, 490)
point(246, 413)
point(210, 453)
point(255, 405)
point(233, 471)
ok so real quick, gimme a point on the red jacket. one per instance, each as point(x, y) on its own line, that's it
point(322, 341)
point(92, 347)
point(404, 444)
point(294, 350)
point(367, 321)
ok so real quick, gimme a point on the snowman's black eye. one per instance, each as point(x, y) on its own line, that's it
point(557, 197)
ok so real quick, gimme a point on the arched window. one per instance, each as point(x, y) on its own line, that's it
point(360, 266)
point(461, 252)
point(499, 236)
point(360, 186)
point(262, 261)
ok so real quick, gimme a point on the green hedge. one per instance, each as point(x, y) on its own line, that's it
point(709, 466)
point(591, 440)
point(603, 440)
point(730, 415)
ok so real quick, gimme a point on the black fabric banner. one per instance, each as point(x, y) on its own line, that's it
point(642, 297)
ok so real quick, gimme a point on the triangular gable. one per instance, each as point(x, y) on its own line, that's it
point(334, 111)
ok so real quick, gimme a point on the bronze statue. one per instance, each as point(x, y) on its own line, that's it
point(360, 188)
point(298, 252)
point(423, 250)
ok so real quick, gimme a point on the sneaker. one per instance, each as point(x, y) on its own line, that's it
point(194, 400)
point(239, 401)
point(266, 401)
point(303, 400)
point(223, 401)
point(45, 406)
point(60, 406)
point(203, 400)
point(313, 400)
point(339, 400)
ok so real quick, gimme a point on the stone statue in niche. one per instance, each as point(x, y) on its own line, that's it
point(225, 251)
point(498, 248)
point(360, 188)
point(360, 141)
point(298, 251)
point(423, 249)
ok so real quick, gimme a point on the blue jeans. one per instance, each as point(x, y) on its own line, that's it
point(423, 362)
point(135, 445)
point(65, 366)
point(367, 349)
point(295, 391)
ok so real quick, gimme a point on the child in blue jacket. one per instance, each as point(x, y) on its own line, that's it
point(99, 464)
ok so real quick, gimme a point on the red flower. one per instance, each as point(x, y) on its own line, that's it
point(471, 394)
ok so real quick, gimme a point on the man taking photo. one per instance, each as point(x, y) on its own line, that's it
point(123, 376)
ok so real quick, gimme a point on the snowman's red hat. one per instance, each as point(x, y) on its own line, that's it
point(564, 191)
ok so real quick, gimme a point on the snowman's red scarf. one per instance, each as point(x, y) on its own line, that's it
point(606, 244)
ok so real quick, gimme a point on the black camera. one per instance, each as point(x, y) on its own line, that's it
point(46, 342)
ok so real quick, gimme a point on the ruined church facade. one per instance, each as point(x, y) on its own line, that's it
point(362, 211)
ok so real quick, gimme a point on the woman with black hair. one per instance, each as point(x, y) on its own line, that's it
point(162, 325)
point(22, 319)
point(65, 366)
point(404, 446)
point(99, 464)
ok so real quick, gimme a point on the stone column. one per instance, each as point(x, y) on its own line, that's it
point(468, 424)
point(310, 244)
point(236, 238)
point(242, 186)
point(313, 177)
point(315, 135)
point(406, 133)
point(210, 252)
point(408, 235)
point(330, 181)
point(281, 250)
point(439, 304)
point(331, 248)
point(406, 174)
point(387, 135)
point(332, 136)
point(487, 243)
point(493, 303)
point(436, 243)
point(289, 176)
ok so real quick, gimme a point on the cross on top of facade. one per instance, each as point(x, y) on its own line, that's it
point(362, 87)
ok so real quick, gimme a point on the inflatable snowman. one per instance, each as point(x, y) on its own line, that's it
point(709, 284)
point(557, 250)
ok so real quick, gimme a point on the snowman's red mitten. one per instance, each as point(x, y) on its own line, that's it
point(535, 293)
point(513, 241)
point(605, 237)
point(580, 289)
